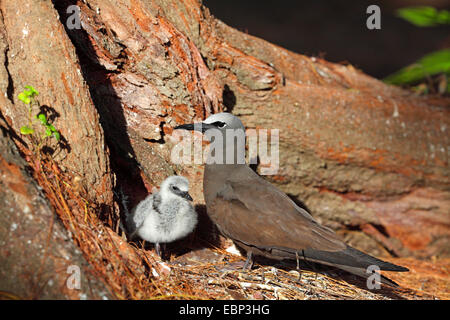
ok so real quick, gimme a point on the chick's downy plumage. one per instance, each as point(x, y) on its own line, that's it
point(164, 216)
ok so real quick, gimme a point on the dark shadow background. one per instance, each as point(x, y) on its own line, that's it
point(336, 30)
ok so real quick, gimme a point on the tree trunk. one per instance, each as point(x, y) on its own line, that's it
point(37, 257)
point(367, 159)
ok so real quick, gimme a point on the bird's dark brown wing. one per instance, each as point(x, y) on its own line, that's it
point(251, 210)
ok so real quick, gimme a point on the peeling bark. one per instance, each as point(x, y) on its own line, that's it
point(37, 51)
point(348, 142)
point(367, 159)
point(353, 149)
point(36, 252)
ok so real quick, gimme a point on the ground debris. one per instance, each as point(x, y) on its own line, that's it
point(133, 271)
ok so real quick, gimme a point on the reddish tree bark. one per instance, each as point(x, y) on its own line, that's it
point(368, 159)
point(37, 257)
point(360, 154)
point(36, 51)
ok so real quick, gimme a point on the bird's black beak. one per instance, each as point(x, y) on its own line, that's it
point(187, 196)
point(188, 126)
point(201, 127)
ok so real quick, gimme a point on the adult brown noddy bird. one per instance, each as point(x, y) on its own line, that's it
point(262, 219)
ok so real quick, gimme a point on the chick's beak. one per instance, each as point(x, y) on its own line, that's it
point(187, 196)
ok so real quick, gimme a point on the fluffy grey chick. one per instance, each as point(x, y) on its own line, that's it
point(164, 216)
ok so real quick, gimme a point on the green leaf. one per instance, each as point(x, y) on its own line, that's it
point(32, 91)
point(51, 127)
point(26, 130)
point(431, 64)
point(56, 135)
point(424, 16)
point(42, 118)
point(24, 98)
point(48, 132)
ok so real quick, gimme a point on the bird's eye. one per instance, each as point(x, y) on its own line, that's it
point(220, 124)
point(175, 188)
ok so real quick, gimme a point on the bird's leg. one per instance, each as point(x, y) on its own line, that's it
point(163, 251)
point(249, 262)
point(298, 267)
point(158, 249)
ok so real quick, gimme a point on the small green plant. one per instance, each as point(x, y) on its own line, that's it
point(435, 64)
point(29, 97)
point(424, 16)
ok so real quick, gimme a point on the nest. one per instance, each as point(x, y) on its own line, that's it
point(131, 271)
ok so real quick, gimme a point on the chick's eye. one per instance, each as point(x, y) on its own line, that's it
point(175, 188)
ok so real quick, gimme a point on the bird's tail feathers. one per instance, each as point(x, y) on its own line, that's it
point(353, 258)
point(375, 278)
point(350, 260)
